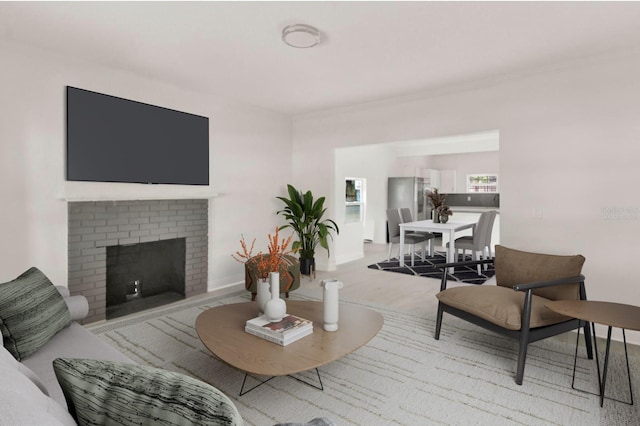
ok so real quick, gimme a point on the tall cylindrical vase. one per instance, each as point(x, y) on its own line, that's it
point(263, 293)
point(331, 307)
point(275, 309)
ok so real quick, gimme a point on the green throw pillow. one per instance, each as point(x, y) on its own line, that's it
point(114, 393)
point(32, 311)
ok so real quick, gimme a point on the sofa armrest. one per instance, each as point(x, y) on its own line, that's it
point(78, 307)
point(64, 291)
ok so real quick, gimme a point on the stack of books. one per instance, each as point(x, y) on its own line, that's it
point(289, 329)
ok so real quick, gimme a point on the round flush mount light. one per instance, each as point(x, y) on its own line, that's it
point(301, 36)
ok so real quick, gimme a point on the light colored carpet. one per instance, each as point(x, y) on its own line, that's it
point(402, 377)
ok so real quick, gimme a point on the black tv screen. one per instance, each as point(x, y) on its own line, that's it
point(110, 139)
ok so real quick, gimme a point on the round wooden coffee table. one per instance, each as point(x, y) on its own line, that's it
point(221, 330)
point(607, 313)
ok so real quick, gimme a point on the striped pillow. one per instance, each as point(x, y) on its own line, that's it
point(32, 311)
point(114, 393)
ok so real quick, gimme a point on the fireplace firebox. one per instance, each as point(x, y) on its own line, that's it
point(145, 275)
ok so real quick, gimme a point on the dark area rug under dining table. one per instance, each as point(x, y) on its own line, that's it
point(428, 268)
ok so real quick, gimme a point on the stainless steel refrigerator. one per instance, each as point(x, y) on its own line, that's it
point(409, 192)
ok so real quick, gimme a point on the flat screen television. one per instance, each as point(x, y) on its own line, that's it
point(111, 139)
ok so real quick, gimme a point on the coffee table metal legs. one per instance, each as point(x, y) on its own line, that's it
point(318, 386)
point(244, 381)
point(602, 380)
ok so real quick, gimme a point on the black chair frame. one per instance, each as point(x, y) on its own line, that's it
point(526, 334)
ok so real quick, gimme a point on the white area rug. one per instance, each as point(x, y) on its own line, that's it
point(402, 377)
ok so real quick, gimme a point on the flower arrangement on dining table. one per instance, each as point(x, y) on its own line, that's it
point(437, 201)
point(274, 262)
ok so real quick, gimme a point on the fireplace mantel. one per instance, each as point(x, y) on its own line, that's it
point(105, 191)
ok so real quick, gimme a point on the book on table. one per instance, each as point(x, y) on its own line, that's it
point(289, 329)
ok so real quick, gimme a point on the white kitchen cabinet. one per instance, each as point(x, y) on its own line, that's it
point(447, 181)
point(431, 178)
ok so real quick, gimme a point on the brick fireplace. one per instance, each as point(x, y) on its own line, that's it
point(96, 225)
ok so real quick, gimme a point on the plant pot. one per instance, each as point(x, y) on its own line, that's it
point(307, 266)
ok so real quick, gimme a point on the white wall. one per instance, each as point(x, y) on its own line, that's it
point(371, 163)
point(250, 150)
point(568, 145)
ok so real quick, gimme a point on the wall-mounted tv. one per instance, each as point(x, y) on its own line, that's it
point(110, 139)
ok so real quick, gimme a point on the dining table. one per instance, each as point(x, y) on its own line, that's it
point(449, 228)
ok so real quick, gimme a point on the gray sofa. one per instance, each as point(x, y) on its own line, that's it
point(31, 394)
point(29, 391)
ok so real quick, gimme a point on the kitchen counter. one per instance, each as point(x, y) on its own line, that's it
point(473, 209)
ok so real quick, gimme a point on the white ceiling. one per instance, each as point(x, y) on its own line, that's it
point(369, 50)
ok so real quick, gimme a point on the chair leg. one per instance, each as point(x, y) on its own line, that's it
point(524, 336)
point(485, 255)
point(522, 356)
point(474, 256)
point(389, 256)
point(438, 321)
point(412, 250)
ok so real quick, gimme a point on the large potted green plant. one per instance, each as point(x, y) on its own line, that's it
point(305, 218)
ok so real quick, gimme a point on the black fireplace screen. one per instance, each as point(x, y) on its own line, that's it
point(145, 271)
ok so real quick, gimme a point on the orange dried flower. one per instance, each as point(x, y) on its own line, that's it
point(246, 254)
point(265, 264)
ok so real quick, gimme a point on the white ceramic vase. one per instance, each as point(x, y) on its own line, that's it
point(275, 309)
point(331, 306)
point(263, 293)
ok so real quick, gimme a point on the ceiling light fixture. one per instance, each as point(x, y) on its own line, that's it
point(300, 36)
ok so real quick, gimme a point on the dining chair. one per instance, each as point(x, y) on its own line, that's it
point(481, 238)
point(393, 226)
point(406, 216)
point(489, 232)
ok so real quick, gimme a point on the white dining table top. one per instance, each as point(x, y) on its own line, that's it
point(428, 224)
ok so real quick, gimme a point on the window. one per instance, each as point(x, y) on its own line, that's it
point(482, 183)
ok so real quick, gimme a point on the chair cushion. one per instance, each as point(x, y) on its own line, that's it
point(32, 311)
point(499, 305)
point(515, 267)
point(106, 392)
